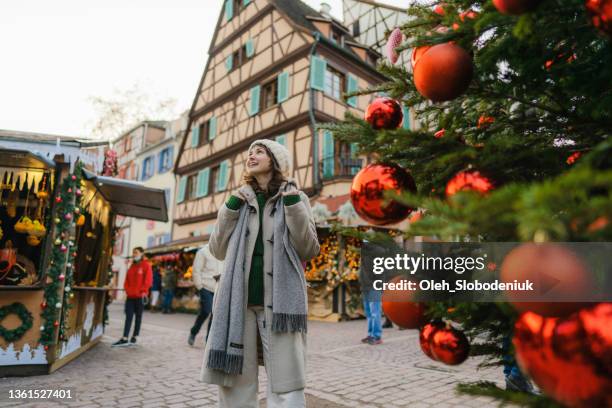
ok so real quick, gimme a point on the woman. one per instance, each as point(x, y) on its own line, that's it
point(263, 233)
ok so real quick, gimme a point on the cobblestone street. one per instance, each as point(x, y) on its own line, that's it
point(163, 371)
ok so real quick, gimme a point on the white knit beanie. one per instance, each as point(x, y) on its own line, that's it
point(280, 153)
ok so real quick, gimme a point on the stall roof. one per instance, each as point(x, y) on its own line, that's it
point(130, 198)
point(25, 159)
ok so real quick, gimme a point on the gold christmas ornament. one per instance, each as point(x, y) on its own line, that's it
point(24, 225)
point(80, 221)
point(33, 240)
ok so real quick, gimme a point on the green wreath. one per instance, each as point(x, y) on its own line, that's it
point(26, 321)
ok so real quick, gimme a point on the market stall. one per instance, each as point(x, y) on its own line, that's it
point(177, 265)
point(57, 225)
point(334, 292)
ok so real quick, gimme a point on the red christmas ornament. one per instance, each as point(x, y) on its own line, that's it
point(439, 10)
point(443, 72)
point(58, 199)
point(425, 335)
point(400, 309)
point(417, 53)
point(368, 189)
point(63, 248)
point(440, 133)
point(61, 277)
point(449, 346)
point(395, 39)
point(554, 270)
point(68, 216)
point(46, 347)
point(573, 157)
point(384, 113)
point(468, 181)
point(570, 359)
point(55, 323)
point(515, 7)
point(73, 177)
point(484, 120)
point(464, 15)
point(601, 14)
point(43, 305)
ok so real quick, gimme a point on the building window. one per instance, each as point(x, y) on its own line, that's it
point(165, 160)
point(335, 37)
point(356, 30)
point(190, 188)
point(242, 55)
point(334, 83)
point(147, 168)
point(214, 174)
point(203, 133)
point(268, 94)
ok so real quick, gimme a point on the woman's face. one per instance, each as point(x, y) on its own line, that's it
point(258, 162)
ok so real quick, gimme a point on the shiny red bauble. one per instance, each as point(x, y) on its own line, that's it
point(449, 346)
point(515, 7)
point(568, 358)
point(368, 193)
point(468, 181)
point(384, 113)
point(443, 72)
point(425, 335)
point(555, 271)
point(601, 14)
point(417, 53)
point(399, 307)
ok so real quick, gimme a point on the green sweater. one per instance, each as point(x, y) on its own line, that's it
point(256, 276)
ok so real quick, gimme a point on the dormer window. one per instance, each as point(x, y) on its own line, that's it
point(336, 37)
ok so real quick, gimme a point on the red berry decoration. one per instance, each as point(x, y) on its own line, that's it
point(443, 72)
point(515, 7)
point(425, 335)
point(573, 157)
point(395, 39)
point(368, 193)
point(570, 359)
point(399, 307)
point(601, 14)
point(555, 270)
point(484, 121)
point(384, 113)
point(468, 181)
point(449, 346)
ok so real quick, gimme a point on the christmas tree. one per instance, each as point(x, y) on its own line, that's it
point(514, 104)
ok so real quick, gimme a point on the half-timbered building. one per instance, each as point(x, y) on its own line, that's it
point(276, 69)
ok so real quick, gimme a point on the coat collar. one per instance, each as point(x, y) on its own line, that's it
point(248, 192)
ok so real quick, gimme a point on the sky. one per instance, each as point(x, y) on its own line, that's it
point(55, 55)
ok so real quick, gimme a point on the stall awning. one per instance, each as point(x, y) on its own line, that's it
point(131, 199)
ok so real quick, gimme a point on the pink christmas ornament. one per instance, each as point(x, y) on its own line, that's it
point(395, 39)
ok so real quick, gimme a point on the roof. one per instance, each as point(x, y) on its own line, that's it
point(18, 135)
point(160, 124)
point(130, 198)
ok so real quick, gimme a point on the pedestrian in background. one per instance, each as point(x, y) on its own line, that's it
point(168, 287)
point(138, 281)
point(372, 299)
point(156, 288)
point(206, 271)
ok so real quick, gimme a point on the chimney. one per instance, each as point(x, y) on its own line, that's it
point(325, 10)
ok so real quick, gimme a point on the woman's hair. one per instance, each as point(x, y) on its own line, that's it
point(276, 180)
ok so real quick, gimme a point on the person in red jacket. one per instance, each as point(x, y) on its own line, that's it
point(138, 281)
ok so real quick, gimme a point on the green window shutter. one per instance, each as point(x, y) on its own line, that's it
point(249, 48)
point(406, 112)
point(354, 149)
point(229, 61)
point(229, 9)
point(282, 90)
point(328, 154)
point(202, 189)
point(212, 128)
point(318, 66)
point(255, 91)
point(195, 136)
point(223, 175)
point(181, 190)
point(282, 139)
point(351, 86)
point(245, 2)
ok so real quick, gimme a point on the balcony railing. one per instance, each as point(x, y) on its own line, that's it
point(342, 166)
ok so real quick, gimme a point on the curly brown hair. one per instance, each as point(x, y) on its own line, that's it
point(276, 180)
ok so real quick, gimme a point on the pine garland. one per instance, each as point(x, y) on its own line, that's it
point(24, 315)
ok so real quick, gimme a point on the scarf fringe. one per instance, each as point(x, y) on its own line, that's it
point(284, 322)
point(228, 363)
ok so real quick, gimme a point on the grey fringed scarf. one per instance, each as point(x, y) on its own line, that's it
point(289, 302)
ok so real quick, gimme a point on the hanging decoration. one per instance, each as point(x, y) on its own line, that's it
point(425, 335)
point(547, 263)
point(568, 358)
point(515, 7)
point(61, 264)
point(443, 72)
point(401, 309)
point(368, 193)
point(24, 315)
point(109, 168)
point(394, 40)
point(449, 345)
point(470, 180)
point(384, 113)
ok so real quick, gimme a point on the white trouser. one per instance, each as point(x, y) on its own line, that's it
point(154, 297)
point(243, 394)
